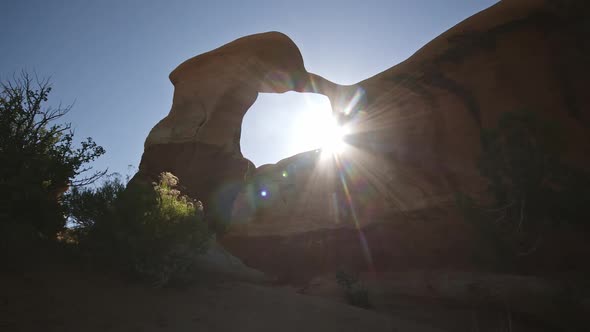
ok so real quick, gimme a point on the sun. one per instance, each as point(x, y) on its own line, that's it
point(315, 128)
point(331, 139)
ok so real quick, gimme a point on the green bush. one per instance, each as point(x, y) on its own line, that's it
point(152, 232)
point(85, 205)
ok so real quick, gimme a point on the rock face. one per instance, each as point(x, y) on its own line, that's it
point(199, 140)
point(387, 202)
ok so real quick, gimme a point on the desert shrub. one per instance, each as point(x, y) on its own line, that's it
point(85, 205)
point(151, 232)
point(531, 190)
point(356, 293)
point(38, 160)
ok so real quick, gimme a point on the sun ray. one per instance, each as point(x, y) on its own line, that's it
point(363, 241)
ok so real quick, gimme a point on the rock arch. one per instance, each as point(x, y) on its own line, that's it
point(199, 140)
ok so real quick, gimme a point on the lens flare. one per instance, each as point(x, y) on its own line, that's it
point(317, 128)
point(332, 138)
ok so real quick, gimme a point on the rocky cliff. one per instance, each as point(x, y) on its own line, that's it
point(199, 140)
point(388, 200)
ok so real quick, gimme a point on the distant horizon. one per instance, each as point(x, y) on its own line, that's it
point(112, 60)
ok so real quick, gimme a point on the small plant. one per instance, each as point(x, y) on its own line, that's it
point(172, 236)
point(356, 293)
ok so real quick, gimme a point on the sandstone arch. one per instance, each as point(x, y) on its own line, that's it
point(417, 143)
point(198, 140)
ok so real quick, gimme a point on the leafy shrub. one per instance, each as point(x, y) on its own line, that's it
point(85, 205)
point(356, 293)
point(152, 231)
point(38, 160)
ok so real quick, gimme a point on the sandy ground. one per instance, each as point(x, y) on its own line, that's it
point(51, 296)
point(45, 292)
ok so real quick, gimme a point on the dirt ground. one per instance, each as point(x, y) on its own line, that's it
point(45, 292)
point(54, 296)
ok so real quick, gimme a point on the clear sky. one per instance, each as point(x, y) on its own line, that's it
point(111, 58)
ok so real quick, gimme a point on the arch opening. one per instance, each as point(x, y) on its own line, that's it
point(278, 126)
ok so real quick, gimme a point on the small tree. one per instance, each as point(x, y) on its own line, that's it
point(38, 160)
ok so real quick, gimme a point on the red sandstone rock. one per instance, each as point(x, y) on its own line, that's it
point(386, 202)
point(199, 140)
point(415, 145)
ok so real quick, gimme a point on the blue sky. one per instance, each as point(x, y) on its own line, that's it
point(112, 58)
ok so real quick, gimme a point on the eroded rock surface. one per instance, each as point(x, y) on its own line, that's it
point(199, 140)
point(388, 200)
point(415, 145)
